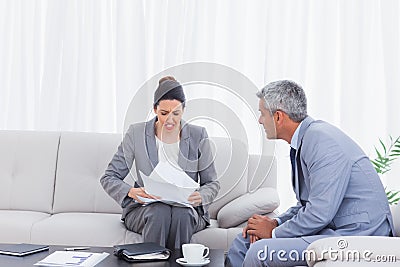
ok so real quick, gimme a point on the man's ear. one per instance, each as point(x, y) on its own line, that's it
point(279, 116)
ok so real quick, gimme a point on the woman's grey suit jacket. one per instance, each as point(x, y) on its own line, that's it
point(139, 147)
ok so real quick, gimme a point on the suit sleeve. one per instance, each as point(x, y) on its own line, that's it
point(209, 186)
point(329, 172)
point(118, 169)
point(292, 211)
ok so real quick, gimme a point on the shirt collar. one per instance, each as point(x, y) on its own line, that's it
point(295, 137)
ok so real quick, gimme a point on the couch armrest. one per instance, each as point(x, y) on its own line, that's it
point(239, 210)
point(353, 249)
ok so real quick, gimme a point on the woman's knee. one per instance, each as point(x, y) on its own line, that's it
point(183, 215)
point(158, 211)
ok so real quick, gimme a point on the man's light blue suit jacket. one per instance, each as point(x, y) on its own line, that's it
point(339, 191)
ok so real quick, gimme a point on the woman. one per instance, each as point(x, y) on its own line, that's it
point(164, 138)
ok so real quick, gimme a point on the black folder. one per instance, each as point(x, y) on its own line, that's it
point(21, 249)
point(141, 252)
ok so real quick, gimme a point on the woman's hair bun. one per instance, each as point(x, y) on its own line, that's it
point(166, 78)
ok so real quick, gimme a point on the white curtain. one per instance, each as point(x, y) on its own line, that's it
point(75, 64)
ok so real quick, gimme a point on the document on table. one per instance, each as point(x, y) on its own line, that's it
point(169, 183)
point(21, 249)
point(72, 258)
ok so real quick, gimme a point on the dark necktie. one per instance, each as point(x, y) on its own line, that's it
point(293, 162)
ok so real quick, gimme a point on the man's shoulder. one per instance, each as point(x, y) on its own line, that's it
point(316, 130)
point(320, 135)
point(322, 129)
point(323, 136)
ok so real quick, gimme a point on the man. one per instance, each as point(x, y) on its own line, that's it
point(336, 186)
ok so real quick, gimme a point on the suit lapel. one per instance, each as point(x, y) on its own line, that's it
point(299, 176)
point(299, 172)
point(304, 126)
point(296, 175)
point(151, 146)
point(184, 146)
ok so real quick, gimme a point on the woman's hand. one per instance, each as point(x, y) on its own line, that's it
point(195, 199)
point(134, 192)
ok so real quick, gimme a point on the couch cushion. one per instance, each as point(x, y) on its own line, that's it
point(395, 209)
point(231, 164)
point(369, 249)
point(16, 225)
point(28, 165)
point(82, 160)
point(262, 172)
point(356, 263)
point(262, 201)
point(216, 238)
point(86, 229)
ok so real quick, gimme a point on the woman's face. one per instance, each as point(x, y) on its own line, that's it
point(169, 114)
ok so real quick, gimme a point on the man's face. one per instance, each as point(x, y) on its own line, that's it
point(267, 120)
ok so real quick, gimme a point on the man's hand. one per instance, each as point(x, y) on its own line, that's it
point(259, 227)
point(139, 191)
point(195, 199)
point(252, 238)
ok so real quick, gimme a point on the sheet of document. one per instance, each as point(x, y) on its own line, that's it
point(72, 258)
point(169, 183)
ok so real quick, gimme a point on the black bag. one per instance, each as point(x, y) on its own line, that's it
point(142, 252)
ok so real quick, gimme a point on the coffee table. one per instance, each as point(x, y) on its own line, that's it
point(216, 259)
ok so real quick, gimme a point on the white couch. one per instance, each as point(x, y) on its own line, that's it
point(50, 191)
point(357, 251)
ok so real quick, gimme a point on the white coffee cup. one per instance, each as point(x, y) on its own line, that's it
point(195, 253)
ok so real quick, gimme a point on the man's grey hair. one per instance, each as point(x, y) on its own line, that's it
point(286, 96)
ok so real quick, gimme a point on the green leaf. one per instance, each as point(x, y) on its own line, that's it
point(392, 194)
point(383, 145)
point(377, 152)
point(378, 166)
point(385, 170)
point(380, 161)
point(393, 201)
point(382, 164)
point(377, 162)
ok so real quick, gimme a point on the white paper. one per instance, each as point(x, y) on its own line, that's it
point(169, 183)
point(150, 256)
point(151, 200)
point(72, 258)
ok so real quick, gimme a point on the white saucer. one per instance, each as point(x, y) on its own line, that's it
point(182, 261)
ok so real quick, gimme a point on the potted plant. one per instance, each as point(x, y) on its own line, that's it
point(383, 162)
